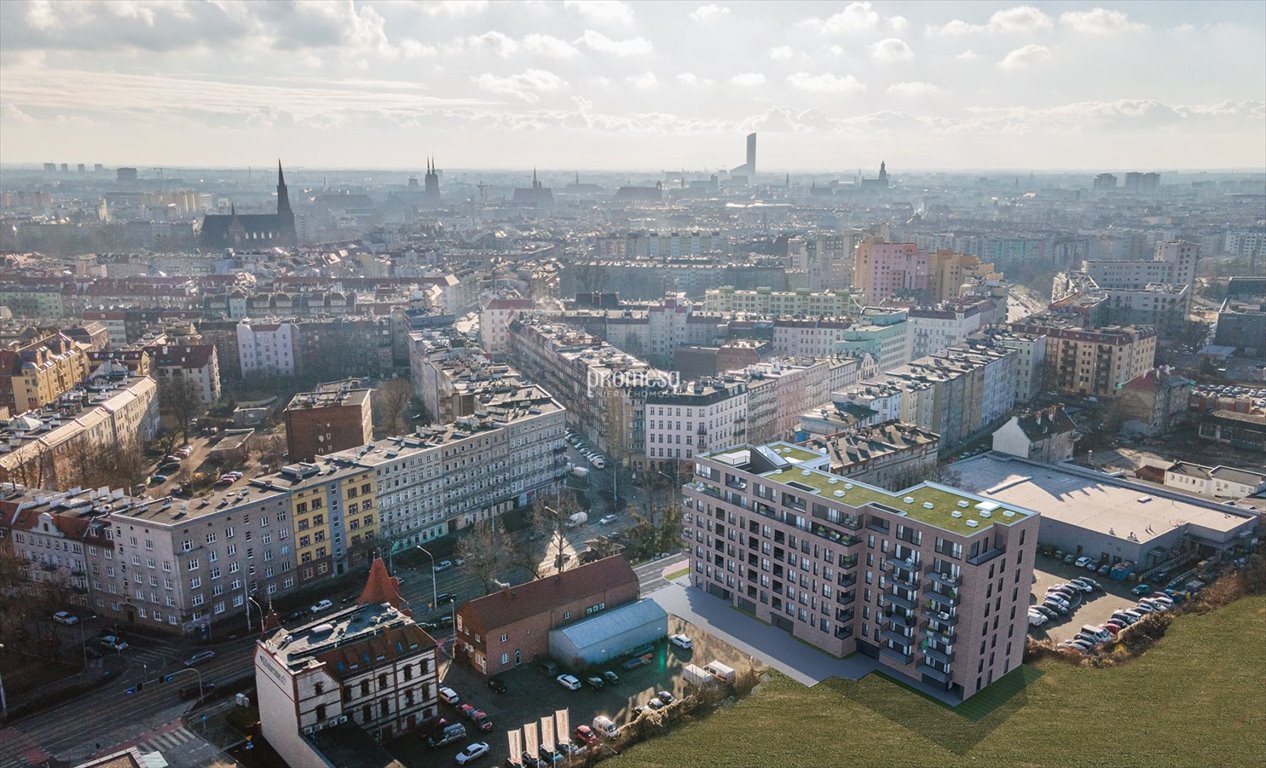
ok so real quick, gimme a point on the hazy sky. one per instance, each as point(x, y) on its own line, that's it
point(654, 85)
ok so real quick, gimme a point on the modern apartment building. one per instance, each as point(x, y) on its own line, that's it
point(266, 349)
point(766, 301)
point(331, 690)
point(880, 333)
point(948, 271)
point(937, 327)
point(932, 581)
point(881, 270)
point(1091, 362)
point(1174, 263)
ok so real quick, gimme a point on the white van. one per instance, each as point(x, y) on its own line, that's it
point(604, 725)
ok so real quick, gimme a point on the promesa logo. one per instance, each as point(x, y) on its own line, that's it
point(596, 381)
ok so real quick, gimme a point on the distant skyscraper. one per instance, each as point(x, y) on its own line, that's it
point(748, 169)
point(431, 189)
point(1105, 181)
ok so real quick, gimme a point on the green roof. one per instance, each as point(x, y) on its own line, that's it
point(944, 501)
point(793, 453)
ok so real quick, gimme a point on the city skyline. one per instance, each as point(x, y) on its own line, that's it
point(637, 86)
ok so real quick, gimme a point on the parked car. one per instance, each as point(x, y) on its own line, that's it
point(665, 697)
point(1094, 585)
point(570, 682)
point(1081, 584)
point(549, 757)
point(1062, 610)
point(321, 605)
point(451, 732)
point(1047, 612)
point(681, 641)
point(548, 668)
point(1069, 559)
point(483, 722)
point(445, 597)
point(449, 696)
point(113, 642)
point(595, 682)
point(585, 735)
point(610, 677)
point(1037, 619)
point(468, 711)
point(199, 657)
point(606, 520)
point(1113, 628)
point(655, 703)
point(1083, 561)
point(1105, 569)
point(497, 684)
point(472, 752)
point(1144, 608)
point(65, 617)
point(443, 565)
point(1141, 589)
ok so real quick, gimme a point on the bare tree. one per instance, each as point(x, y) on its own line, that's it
point(270, 450)
point(391, 401)
point(551, 521)
point(34, 465)
point(484, 549)
point(180, 399)
point(119, 466)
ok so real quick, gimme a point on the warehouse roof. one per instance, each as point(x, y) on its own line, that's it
point(597, 629)
point(511, 604)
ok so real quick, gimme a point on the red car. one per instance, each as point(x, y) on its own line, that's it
point(468, 711)
point(585, 735)
point(483, 721)
point(1112, 627)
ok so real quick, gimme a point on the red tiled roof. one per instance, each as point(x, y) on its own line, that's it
point(381, 587)
point(514, 603)
point(392, 644)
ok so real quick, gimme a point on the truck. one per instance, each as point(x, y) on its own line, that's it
point(697, 676)
point(605, 726)
point(578, 519)
point(581, 472)
point(721, 671)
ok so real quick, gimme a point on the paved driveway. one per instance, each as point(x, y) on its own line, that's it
point(774, 647)
point(1095, 608)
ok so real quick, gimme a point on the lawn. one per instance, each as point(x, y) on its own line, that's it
point(1197, 699)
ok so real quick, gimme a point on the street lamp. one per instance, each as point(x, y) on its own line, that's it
point(250, 599)
point(4, 702)
point(435, 592)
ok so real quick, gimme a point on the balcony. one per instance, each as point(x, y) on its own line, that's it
point(945, 579)
point(846, 579)
point(893, 653)
point(844, 631)
point(943, 617)
point(907, 621)
point(938, 636)
point(943, 599)
point(906, 579)
point(933, 672)
point(849, 561)
point(905, 602)
point(985, 557)
point(845, 598)
point(845, 539)
point(844, 614)
point(896, 637)
point(736, 483)
point(909, 564)
point(941, 656)
point(711, 490)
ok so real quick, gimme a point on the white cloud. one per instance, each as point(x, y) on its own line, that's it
point(1022, 18)
point(825, 83)
point(891, 50)
point(748, 79)
point(494, 42)
point(969, 55)
point(527, 85)
point(856, 17)
point(454, 7)
point(837, 50)
point(781, 53)
point(1099, 21)
point(913, 89)
point(601, 11)
point(898, 24)
point(548, 45)
point(1023, 58)
point(634, 46)
point(709, 12)
point(644, 82)
point(690, 78)
point(412, 49)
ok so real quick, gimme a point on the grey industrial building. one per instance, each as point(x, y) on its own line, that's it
point(609, 634)
point(1106, 518)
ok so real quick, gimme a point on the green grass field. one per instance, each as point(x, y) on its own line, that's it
point(1198, 699)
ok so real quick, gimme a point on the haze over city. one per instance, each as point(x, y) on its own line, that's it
point(640, 86)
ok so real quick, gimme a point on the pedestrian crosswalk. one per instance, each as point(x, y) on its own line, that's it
point(179, 746)
point(169, 741)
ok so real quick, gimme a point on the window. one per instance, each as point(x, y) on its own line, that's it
point(504, 638)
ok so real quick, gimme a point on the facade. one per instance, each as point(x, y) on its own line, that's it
point(934, 328)
point(1219, 482)
point(511, 627)
point(1242, 325)
point(882, 334)
point(1174, 263)
point(35, 374)
point(266, 349)
point(330, 419)
point(49, 544)
point(816, 338)
point(1030, 351)
point(198, 364)
point(932, 581)
point(1156, 401)
point(881, 270)
point(695, 418)
point(766, 301)
point(1242, 430)
point(494, 323)
point(1091, 362)
point(948, 271)
point(1046, 435)
point(368, 668)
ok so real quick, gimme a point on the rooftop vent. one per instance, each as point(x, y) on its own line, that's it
point(956, 513)
point(986, 513)
point(1008, 513)
point(972, 523)
point(908, 499)
point(962, 503)
point(805, 472)
point(839, 493)
point(848, 486)
point(928, 505)
point(1143, 499)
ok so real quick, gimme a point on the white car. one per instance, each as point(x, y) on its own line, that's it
point(1036, 618)
point(607, 520)
point(321, 605)
point(1083, 561)
point(65, 617)
point(472, 751)
point(682, 641)
point(570, 682)
point(443, 565)
point(449, 696)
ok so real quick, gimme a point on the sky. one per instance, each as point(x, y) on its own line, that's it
point(635, 85)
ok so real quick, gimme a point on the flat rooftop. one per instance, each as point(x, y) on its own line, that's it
point(947, 508)
point(295, 648)
point(1105, 504)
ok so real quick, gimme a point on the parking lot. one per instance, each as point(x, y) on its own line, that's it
point(1095, 607)
point(531, 695)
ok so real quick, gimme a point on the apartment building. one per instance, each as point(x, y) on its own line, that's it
point(1030, 351)
point(767, 301)
point(50, 545)
point(881, 270)
point(46, 448)
point(266, 349)
point(1091, 362)
point(197, 364)
point(811, 337)
point(949, 270)
point(1174, 263)
point(693, 418)
point(779, 390)
point(882, 454)
point(494, 323)
point(38, 372)
point(880, 333)
point(937, 327)
point(332, 418)
point(931, 581)
point(331, 690)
